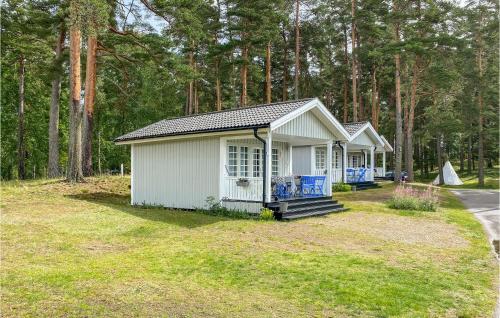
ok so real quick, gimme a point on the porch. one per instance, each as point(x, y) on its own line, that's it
point(247, 176)
point(360, 164)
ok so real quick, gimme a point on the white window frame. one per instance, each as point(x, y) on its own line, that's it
point(336, 159)
point(243, 163)
point(320, 158)
point(232, 167)
point(246, 167)
point(257, 162)
point(275, 162)
point(358, 161)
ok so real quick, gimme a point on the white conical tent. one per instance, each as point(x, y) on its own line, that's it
point(450, 176)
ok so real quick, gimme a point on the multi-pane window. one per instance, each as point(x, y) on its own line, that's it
point(320, 158)
point(355, 161)
point(256, 162)
point(232, 167)
point(274, 162)
point(240, 162)
point(336, 160)
point(243, 161)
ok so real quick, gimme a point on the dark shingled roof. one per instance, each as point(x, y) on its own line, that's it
point(232, 119)
point(352, 128)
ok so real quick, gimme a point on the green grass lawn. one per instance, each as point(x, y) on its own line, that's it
point(82, 250)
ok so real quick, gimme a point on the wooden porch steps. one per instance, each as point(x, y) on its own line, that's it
point(365, 185)
point(305, 207)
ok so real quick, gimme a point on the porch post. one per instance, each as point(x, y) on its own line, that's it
point(383, 163)
point(372, 162)
point(222, 167)
point(344, 163)
point(290, 160)
point(365, 163)
point(269, 150)
point(329, 155)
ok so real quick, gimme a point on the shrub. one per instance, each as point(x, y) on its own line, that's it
point(408, 198)
point(341, 187)
point(266, 214)
point(215, 208)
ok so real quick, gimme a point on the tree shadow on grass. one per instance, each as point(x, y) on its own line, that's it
point(121, 202)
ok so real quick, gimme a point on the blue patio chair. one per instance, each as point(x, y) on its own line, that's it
point(282, 188)
point(319, 184)
point(312, 185)
point(351, 174)
point(361, 176)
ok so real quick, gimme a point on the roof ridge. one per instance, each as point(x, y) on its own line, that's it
point(356, 122)
point(239, 108)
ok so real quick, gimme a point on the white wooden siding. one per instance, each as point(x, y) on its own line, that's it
point(306, 125)
point(364, 139)
point(301, 160)
point(176, 174)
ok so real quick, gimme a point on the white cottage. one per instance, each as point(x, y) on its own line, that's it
point(244, 157)
point(353, 161)
point(364, 144)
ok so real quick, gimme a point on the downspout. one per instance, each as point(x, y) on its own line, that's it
point(341, 148)
point(264, 166)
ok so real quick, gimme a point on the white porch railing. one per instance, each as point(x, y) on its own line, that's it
point(252, 192)
point(319, 172)
point(379, 172)
point(336, 175)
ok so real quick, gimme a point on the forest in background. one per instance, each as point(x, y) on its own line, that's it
point(76, 74)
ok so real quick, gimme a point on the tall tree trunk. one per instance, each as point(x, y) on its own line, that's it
point(268, 73)
point(469, 154)
point(378, 104)
point(480, 144)
point(88, 120)
point(284, 94)
point(440, 159)
point(244, 71)
point(190, 88)
point(218, 93)
point(462, 154)
point(21, 146)
point(374, 98)
point(411, 119)
point(53, 163)
point(354, 62)
point(346, 93)
point(361, 107)
point(399, 129)
point(297, 49)
point(75, 173)
point(196, 101)
point(218, 97)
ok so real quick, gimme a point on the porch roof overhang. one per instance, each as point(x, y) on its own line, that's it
point(387, 146)
point(355, 140)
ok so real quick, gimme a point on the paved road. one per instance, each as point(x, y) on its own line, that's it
point(485, 204)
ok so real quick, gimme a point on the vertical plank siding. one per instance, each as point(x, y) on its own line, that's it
point(302, 160)
point(177, 174)
point(306, 125)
